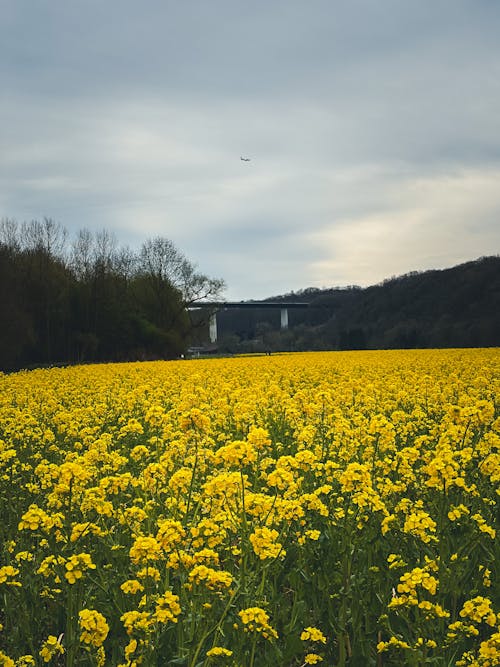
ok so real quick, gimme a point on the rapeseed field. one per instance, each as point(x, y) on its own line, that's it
point(325, 508)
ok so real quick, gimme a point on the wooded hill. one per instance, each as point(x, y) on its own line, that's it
point(457, 307)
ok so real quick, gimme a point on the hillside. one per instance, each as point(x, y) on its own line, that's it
point(457, 307)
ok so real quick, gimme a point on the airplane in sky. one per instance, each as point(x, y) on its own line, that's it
point(245, 159)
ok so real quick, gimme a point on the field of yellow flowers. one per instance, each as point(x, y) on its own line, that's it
point(337, 508)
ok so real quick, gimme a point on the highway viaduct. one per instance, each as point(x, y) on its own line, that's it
point(215, 307)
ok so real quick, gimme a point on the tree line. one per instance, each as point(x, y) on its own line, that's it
point(90, 299)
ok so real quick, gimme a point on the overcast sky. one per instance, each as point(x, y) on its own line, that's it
point(373, 128)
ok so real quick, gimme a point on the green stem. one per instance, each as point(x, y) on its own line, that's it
point(252, 655)
point(72, 642)
point(214, 628)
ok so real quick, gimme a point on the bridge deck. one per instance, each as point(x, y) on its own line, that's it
point(250, 304)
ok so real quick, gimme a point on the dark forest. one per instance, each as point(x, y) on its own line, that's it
point(91, 300)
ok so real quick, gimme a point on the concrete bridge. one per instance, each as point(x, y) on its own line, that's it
point(216, 306)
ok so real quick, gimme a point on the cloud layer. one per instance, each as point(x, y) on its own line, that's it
point(373, 131)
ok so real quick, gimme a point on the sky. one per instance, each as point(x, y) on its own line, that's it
point(372, 128)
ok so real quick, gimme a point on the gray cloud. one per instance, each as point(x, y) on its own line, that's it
point(373, 129)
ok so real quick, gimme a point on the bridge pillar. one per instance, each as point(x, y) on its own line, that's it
point(284, 318)
point(212, 327)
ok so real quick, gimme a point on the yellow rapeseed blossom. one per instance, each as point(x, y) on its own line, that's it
point(356, 488)
point(149, 572)
point(135, 621)
point(24, 556)
point(483, 526)
point(393, 642)
point(24, 661)
point(8, 574)
point(77, 565)
point(132, 586)
point(212, 579)
point(255, 619)
point(421, 525)
point(170, 534)
point(218, 651)
point(489, 651)
point(51, 646)
point(145, 548)
point(93, 626)
point(313, 634)
point(36, 518)
point(479, 609)
point(167, 608)
point(5, 661)
point(265, 544)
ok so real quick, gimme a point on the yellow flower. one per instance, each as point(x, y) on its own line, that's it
point(5, 661)
point(24, 556)
point(7, 574)
point(420, 524)
point(433, 610)
point(36, 518)
point(355, 477)
point(100, 657)
point(136, 621)
point(76, 565)
point(51, 646)
point(208, 532)
point(149, 572)
point(167, 608)
point(479, 609)
point(312, 659)
point(79, 530)
point(386, 523)
point(236, 453)
point(93, 626)
point(265, 544)
point(483, 526)
point(313, 634)
point(131, 648)
point(144, 549)
point(393, 642)
point(170, 534)
point(132, 586)
point(417, 577)
point(206, 556)
point(489, 650)
point(194, 419)
point(456, 512)
point(486, 576)
point(24, 661)
point(256, 619)
point(218, 651)
point(213, 579)
point(395, 560)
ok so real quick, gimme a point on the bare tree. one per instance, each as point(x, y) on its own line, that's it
point(163, 263)
point(9, 234)
point(46, 236)
point(174, 285)
point(81, 257)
